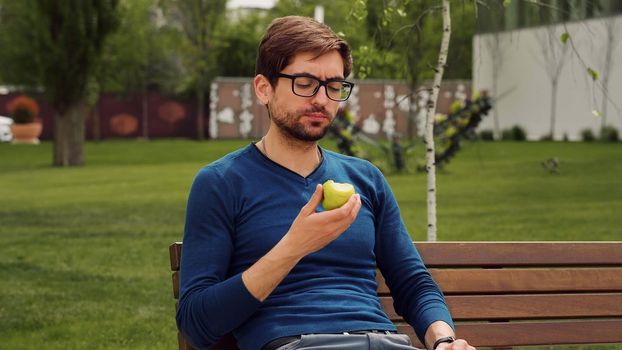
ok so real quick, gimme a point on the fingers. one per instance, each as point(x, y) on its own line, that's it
point(340, 219)
point(313, 202)
point(458, 344)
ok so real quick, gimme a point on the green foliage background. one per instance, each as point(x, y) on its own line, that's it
point(149, 49)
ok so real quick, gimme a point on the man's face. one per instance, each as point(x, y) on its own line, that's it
point(306, 118)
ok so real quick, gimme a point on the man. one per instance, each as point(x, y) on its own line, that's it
point(263, 260)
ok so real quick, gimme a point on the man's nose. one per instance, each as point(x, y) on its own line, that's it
point(320, 98)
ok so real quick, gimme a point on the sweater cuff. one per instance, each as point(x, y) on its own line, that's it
point(430, 316)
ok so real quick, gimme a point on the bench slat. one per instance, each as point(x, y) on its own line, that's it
point(522, 280)
point(515, 307)
point(534, 333)
point(528, 280)
point(520, 253)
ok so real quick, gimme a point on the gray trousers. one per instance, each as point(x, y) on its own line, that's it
point(368, 341)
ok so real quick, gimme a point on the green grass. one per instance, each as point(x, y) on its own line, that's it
point(83, 251)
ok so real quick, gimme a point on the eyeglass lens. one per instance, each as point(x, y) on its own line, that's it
point(307, 87)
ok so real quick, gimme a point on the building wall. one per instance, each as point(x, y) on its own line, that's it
point(380, 108)
point(524, 87)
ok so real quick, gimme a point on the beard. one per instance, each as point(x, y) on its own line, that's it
point(290, 123)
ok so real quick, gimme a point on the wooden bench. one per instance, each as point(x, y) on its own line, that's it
point(504, 294)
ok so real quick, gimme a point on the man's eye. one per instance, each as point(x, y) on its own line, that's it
point(334, 89)
point(303, 85)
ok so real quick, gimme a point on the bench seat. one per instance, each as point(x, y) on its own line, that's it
point(505, 294)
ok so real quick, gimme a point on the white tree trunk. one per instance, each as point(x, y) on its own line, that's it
point(431, 111)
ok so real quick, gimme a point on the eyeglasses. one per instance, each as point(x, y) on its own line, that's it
point(307, 86)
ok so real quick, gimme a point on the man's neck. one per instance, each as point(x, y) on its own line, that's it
point(298, 156)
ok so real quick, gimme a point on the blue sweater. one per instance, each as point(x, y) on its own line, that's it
point(240, 206)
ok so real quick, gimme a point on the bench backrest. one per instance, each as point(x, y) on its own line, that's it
point(504, 294)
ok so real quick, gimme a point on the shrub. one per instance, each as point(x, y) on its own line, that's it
point(609, 134)
point(587, 135)
point(486, 135)
point(23, 109)
point(546, 137)
point(516, 133)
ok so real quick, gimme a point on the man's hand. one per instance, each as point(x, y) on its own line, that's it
point(458, 344)
point(310, 232)
point(440, 329)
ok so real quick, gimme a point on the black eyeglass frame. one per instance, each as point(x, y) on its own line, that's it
point(323, 83)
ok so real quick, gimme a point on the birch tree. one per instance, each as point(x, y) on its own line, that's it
point(431, 111)
point(553, 57)
point(496, 46)
point(612, 34)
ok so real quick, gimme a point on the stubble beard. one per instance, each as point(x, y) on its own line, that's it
point(289, 123)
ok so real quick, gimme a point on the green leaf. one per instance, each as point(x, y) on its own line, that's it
point(593, 73)
point(597, 113)
point(507, 3)
point(565, 37)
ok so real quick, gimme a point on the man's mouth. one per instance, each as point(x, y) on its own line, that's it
point(316, 117)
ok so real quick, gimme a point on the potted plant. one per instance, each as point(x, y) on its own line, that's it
point(26, 127)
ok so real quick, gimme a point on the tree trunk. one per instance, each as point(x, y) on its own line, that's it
point(610, 27)
point(200, 113)
point(495, 115)
point(429, 135)
point(553, 107)
point(145, 114)
point(69, 135)
point(96, 122)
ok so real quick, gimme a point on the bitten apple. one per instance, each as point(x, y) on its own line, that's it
point(336, 194)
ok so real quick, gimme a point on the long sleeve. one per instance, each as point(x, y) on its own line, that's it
point(211, 304)
point(416, 296)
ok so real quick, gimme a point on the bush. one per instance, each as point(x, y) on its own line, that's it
point(609, 134)
point(587, 135)
point(516, 133)
point(546, 137)
point(487, 135)
point(23, 109)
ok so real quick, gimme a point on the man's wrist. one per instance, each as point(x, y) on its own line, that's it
point(441, 341)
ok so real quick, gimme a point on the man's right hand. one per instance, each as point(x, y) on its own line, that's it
point(310, 232)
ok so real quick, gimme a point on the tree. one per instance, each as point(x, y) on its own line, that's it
point(554, 57)
point(141, 55)
point(496, 46)
point(235, 45)
point(198, 20)
point(612, 34)
point(429, 134)
point(58, 47)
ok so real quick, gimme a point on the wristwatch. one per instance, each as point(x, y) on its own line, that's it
point(442, 340)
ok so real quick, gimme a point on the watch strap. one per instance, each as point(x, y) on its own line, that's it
point(442, 340)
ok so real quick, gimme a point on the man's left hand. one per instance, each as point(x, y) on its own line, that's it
point(458, 344)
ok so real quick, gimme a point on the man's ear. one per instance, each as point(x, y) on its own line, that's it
point(263, 89)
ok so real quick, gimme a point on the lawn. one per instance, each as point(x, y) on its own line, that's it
point(83, 251)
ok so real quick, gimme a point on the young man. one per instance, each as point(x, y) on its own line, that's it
point(263, 260)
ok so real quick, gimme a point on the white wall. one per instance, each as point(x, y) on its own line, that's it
point(522, 76)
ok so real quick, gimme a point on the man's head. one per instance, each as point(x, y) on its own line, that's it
point(288, 36)
point(301, 67)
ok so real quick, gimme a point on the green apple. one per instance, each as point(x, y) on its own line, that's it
point(336, 194)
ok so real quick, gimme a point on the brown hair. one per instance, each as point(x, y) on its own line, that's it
point(287, 36)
